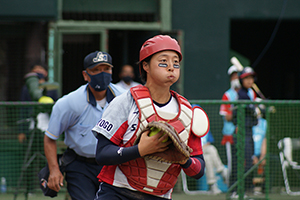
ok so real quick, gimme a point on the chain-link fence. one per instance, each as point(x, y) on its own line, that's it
point(277, 172)
point(22, 156)
point(21, 144)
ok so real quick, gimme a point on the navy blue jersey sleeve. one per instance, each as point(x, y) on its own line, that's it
point(108, 153)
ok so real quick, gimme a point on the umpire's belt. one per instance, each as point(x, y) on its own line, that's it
point(84, 159)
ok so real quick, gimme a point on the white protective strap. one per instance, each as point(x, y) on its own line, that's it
point(200, 123)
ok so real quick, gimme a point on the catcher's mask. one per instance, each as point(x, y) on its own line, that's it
point(43, 178)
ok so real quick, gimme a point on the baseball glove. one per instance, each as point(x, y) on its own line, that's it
point(177, 152)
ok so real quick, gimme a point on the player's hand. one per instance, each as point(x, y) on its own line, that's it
point(254, 160)
point(153, 144)
point(55, 180)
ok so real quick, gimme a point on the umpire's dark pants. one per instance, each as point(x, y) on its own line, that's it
point(82, 182)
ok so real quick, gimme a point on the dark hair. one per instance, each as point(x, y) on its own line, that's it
point(42, 64)
point(143, 73)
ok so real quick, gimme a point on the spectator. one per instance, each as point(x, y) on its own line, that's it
point(226, 113)
point(127, 75)
point(246, 78)
point(38, 75)
point(213, 164)
point(33, 90)
point(31, 118)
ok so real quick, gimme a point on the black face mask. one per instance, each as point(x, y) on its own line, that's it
point(40, 76)
point(127, 79)
point(100, 81)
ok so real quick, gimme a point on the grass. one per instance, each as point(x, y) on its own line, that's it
point(176, 196)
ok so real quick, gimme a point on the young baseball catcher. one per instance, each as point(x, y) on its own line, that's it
point(147, 135)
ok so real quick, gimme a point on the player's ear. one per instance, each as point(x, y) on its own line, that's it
point(145, 66)
point(85, 76)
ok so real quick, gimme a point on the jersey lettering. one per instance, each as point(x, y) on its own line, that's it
point(109, 127)
point(133, 127)
point(105, 125)
point(136, 112)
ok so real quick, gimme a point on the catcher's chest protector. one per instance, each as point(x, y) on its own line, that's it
point(146, 174)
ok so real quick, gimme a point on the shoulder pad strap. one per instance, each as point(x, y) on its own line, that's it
point(139, 92)
point(181, 99)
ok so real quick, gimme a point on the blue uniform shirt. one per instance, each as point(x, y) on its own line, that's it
point(75, 115)
point(259, 133)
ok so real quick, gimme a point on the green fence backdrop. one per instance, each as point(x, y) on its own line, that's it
point(22, 156)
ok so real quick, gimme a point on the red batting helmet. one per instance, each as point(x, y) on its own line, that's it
point(157, 44)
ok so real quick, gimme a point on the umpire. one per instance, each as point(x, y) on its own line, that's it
point(75, 114)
